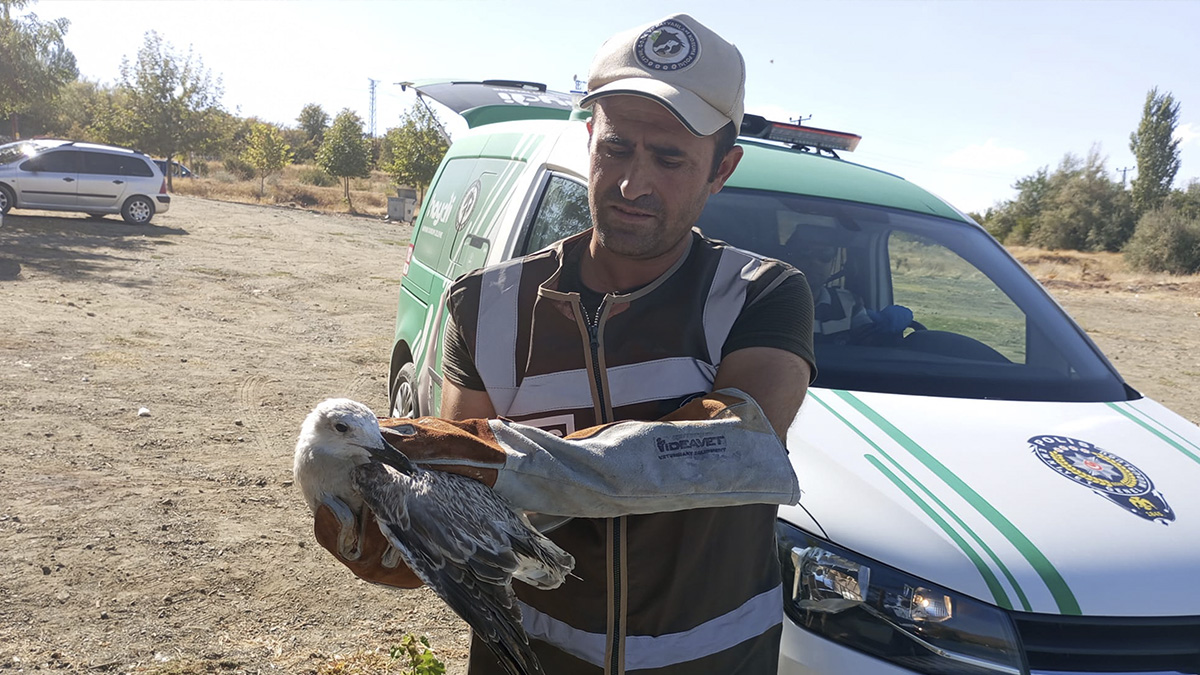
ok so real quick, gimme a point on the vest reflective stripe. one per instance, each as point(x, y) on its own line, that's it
point(846, 322)
point(726, 296)
point(634, 383)
point(756, 616)
point(495, 349)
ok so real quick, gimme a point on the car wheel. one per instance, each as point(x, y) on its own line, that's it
point(404, 392)
point(6, 199)
point(138, 211)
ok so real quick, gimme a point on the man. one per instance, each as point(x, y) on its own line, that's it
point(692, 357)
point(838, 314)
point(835, 310)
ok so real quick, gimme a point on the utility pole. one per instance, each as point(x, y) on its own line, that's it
point(798, 121)
point(1123, 172)
point(372, 116)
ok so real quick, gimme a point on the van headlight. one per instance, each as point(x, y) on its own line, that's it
point(894, 616)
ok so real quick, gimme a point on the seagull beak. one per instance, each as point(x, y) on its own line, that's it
point(386, 454)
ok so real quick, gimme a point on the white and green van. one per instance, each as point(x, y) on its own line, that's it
point(982, 494)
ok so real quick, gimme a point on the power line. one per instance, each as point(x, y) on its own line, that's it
point(1124, 171)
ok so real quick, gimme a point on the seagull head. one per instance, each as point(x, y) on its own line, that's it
point(349, 430)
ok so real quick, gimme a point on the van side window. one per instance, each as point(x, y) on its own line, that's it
point(562, 212)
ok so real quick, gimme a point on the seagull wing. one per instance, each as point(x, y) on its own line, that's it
point(458, 536)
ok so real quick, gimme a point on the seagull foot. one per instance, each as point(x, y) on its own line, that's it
point(391, 558)
point(348, 537)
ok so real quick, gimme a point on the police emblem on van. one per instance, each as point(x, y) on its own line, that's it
point(1104, 473)
point(668, 46)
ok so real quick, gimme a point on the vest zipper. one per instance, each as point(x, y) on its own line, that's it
point(593, 328)
point(615, 662)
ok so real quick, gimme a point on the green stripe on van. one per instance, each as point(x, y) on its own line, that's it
point(993, 583)
point(984, 571)
point(1145, 425)
point(1065, 599)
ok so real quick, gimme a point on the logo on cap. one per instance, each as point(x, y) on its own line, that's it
point(667, 46)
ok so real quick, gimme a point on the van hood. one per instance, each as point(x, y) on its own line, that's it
point(1060, 508)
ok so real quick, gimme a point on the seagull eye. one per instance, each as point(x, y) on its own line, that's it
point(342, 428)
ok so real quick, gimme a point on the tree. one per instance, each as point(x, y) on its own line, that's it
point(1078, 206)
point(170, 103)
point(344, 153)
point(1166, 240)
point(34, 62)
point(1157, 153)
point(1012, 221)
point(1084, 209)
point(266, 152)
point(413, 150)
point(313, 121)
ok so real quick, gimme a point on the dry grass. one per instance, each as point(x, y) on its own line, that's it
point(368, 195)
point(1096, 270)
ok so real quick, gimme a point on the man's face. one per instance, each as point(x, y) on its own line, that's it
point(817, 264)
point(650, 177)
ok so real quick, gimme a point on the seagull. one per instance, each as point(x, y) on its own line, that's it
point(460, 537)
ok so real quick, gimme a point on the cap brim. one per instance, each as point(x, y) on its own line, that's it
point(693, 112)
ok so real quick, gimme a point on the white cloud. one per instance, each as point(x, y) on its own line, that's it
point(1186, 133)
point(990, 155)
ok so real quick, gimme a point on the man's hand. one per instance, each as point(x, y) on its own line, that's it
point(377, 562)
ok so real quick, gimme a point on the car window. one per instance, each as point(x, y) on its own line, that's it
point(62, 161)
point(952, 295)
point(980, 326)
point(136, 166)
point(114, 165)
point(11, 152)
point(562, 211)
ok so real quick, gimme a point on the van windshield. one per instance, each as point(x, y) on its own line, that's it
point(915, 304)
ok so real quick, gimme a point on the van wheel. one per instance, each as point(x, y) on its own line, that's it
point(6, 199)
point(138, 211)
point(404, 392)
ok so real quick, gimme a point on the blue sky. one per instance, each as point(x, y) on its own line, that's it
point(961, 98)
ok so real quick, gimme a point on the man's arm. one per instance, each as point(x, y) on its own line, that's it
point(776, 379)
point(460, 403)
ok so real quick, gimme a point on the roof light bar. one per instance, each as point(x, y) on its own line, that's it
point(754, 126)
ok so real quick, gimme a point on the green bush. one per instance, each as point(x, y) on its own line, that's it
point(240, 168)
point(316, 176)
point(1165, 240)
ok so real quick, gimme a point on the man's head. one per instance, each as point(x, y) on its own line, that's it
point(667, 101)
point(816, 261)
point(678, 62)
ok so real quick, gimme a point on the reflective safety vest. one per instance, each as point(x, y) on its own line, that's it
point(833, 313)
point(695, 591)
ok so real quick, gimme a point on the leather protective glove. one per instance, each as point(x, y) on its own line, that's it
point(718, 450)
point(465, 447)
point(377, 561)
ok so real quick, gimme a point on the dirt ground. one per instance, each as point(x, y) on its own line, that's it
point(173, 542)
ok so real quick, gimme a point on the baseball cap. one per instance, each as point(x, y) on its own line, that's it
point(678, 62)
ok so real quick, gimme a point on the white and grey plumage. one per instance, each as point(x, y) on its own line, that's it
point(461, 538)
